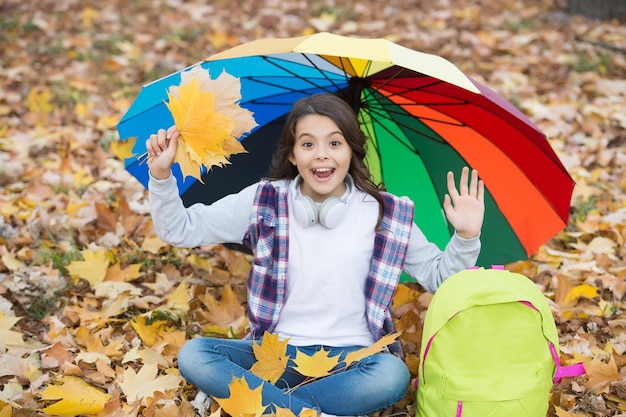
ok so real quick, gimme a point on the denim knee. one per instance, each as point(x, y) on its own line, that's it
point(188, 356)
point(393, 377)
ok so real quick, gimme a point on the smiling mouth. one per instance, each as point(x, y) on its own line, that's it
point(323, 172)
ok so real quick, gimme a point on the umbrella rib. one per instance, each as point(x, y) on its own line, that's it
point(446, 122)
point(344, 93)
point(421, 87)
point(343, 69)
point(378, 112)
point(389, 79)
point(455, 101)
point(404, 127)
point(400, 72)
point(275, 63)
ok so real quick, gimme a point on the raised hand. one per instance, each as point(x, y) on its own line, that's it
point(161, 152)
point(465, 207)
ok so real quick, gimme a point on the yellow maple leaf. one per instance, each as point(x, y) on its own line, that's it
point(227, 92)
point(209, 120)
point(189, 161)
point(271, 356)
point(151, 333)
point(583, 290)
point(76, 396)
point(145, 383)
point(93, 344)
point(404, 295)
point(123, 149)
point(179, 299)
point(158, 332)
point(200, 262)
point(315, 366)
point(93, 268)
point(9, 337)
point(371, 350)
point(243, 401)
point(153, 245)
point(201, 128)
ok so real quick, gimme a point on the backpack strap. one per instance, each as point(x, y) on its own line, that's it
point(577, 369)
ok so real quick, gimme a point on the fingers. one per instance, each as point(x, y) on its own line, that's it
point(172, 133)
point(157, 143)
point(473, 185)
point(452, 191)
point(463, 189)
point(469, 184)
point(480, 194)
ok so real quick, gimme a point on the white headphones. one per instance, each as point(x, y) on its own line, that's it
point(329, 214)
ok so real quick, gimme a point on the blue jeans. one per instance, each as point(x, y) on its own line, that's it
point(371, 384)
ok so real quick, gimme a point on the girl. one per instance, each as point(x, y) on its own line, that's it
point(329, 247)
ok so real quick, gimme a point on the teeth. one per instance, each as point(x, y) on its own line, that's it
point(323, 170)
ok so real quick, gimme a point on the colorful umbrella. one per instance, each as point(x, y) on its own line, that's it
point(422, 115)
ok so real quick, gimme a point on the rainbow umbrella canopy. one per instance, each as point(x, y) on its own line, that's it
point(423, 118)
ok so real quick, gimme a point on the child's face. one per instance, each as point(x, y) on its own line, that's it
point(322, 156)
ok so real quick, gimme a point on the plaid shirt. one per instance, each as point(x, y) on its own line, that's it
point(268, 237)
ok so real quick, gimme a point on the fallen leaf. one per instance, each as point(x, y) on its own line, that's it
point(600, 374)
point(357, 355)
point(243, 401)
point(317, 365)
point(179, 300)
point(404, 295)
point(145, 383)
point(9, 337)
point(93, 268)
point(76, 396)
point(584, 290)
point(123, 149)
point(151, 333)
point(225, 313)
point(116, 273)
point(271, 356)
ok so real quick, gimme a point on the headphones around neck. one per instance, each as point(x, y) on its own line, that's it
point(329, 214)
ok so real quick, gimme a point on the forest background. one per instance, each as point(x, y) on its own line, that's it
point(92, 302)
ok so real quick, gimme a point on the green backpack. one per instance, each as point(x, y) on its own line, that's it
point(489, 348)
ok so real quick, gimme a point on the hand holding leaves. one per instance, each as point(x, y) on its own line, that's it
point(162, 150)
point(207, 122)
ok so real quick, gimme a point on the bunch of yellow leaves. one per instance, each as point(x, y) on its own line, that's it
point(272, 361)
point(209, 119)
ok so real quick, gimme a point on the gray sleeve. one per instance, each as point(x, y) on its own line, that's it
point(430, 266)
point(224, 221)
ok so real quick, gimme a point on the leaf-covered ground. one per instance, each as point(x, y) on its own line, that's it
point(93, 305)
